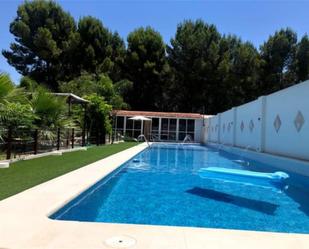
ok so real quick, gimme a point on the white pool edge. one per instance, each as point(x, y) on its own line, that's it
point(24, 221)
point(294, 165)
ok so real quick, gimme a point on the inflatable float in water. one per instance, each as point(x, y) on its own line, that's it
point(276, 179)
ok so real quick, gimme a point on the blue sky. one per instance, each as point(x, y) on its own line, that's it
point(251, 20)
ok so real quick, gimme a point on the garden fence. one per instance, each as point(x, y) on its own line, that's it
point(15, 143)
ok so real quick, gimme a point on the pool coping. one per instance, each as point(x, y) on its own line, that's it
point(24, 221)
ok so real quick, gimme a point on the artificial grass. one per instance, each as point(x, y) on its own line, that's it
point(25, 174)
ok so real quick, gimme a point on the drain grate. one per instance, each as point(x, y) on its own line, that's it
point(120, 241)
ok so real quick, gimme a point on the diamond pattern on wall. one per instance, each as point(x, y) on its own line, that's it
point(299, 121)
point(251, 125)
point(242, 126)
point(277, 123)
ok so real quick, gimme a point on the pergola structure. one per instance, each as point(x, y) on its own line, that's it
point(74, 99)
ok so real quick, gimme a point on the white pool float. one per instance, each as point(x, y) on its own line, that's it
point(276, 179)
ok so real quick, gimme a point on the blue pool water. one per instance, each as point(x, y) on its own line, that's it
point(160, 186)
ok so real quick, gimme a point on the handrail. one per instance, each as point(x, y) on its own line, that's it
point(155, 137)
point(143, 136)
point(187, 138)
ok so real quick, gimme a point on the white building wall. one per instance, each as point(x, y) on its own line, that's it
point(277, 124)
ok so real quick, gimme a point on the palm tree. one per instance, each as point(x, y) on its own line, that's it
point(21, 111)
point(51, 112)
point(15, 108)
point(50, 109)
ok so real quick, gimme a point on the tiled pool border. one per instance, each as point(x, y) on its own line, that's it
point(24, 221)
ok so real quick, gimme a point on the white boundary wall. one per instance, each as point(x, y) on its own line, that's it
point(277, 123)
point(213, 128)
point(227, 122)
point(249, 125)
point(198, 126)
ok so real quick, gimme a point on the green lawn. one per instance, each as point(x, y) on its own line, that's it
point(22, 175)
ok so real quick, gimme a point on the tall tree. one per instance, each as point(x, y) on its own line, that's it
point(196, 60)
point(144, 66)
point(240, 82)
point(117, 57)
point(100, 51)
point(45, 36)
point(302, 59)
point(278, 54)
point(95, 50)
point(207, 65)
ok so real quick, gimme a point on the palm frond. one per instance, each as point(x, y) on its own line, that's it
point(6, 86)
point(49, 108)
point(9, 93)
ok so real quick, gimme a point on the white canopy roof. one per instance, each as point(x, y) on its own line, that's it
point(143, 118)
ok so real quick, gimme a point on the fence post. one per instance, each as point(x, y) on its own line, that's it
point(72, 138)
point(83, 137)
point(67, 138)
point(104, 138)
point(35, 145)
point(84, 126)
point(58, 139)
point(9, 144)
point(97, 137)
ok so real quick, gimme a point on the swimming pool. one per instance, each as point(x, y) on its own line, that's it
point(161, 186)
